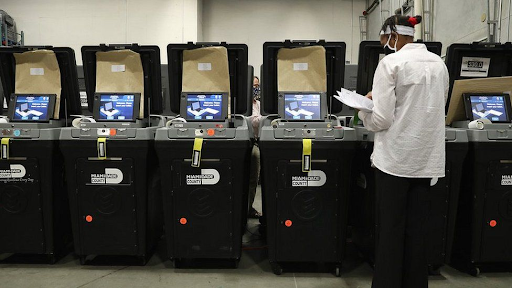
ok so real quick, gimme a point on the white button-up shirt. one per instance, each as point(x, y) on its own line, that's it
point(410, 88)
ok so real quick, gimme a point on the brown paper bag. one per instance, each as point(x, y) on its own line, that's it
point(120, 71)
point(302, 69)
point(206, 70)
point(38, 72)
point(456, 111)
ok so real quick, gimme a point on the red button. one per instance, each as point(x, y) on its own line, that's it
point(493, 223)
point(183, 221)
point(211, 132)
point(113, 132)
point(288, 223)
point(88, 218)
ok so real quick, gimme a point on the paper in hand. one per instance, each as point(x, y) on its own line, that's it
point(354, 100)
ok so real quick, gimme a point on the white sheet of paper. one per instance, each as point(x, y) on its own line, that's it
point(109, 113)
point(25, 114)
point(354, 100)
point(202, 111)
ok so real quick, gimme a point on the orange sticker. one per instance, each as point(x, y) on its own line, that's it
point(211, 132)
point(183, 221)
point(88, 218)
point(113, 132)
point(288, 223)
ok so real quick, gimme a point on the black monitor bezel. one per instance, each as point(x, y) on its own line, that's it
point(14, 100)
point(136, 106)
point(323, 106)
point(469, 113)
point(224, 110)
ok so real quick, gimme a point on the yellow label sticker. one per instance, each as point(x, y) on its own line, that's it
point(5, 148)
point(196, 153)
point(102, 148)
point(306, 155)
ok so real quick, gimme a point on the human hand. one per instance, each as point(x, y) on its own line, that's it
point(369, 95)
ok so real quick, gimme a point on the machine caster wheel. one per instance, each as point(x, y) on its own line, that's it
point(82, 260)
point(276, 268)
point(52, 259)
point(176, 263)
point(434, 270)
point(337, 271)
point(142, 261)
point(236, 263)
point(474, 271)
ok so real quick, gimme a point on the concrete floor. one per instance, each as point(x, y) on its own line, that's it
point(254, 271)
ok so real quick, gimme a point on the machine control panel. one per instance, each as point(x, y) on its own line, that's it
point(202, 132)
point(312, 133)
point(19, 132)
point(115, 133)
point(305, 130)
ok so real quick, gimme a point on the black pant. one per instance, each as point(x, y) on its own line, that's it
point(401, 211)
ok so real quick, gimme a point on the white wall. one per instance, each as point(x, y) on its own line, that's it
point(76, 23)
point(463, 24)
point(455, 21)
point(254, 22)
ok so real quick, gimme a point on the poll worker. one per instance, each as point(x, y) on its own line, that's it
point(410, 89)
point(255, 155)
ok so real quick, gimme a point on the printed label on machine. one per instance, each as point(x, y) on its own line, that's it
point(207, 177)
point(506, 180)
point(315, 178)
point(83, 99)
point(15, 173)
point(111, 176)
point(475, 67)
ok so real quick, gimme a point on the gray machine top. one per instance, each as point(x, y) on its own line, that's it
point(303, 115)
point(177, 129)
point(451, 135)
point(274, 128)
point(31, 117)
point(490, 133)
point(140, 130)
point(205, 115)
point(42, 131)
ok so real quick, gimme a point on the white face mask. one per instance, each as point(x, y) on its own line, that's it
point(389, 48)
